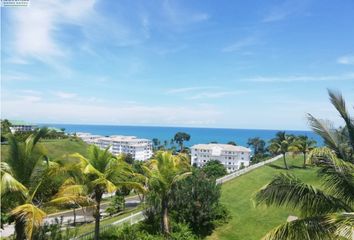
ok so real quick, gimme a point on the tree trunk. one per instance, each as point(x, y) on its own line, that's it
point(97, 215)
point(285, 164)
point(164, 217)
point(304, 159)
point(20, 230)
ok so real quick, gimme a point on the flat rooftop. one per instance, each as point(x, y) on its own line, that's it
point(224, 147)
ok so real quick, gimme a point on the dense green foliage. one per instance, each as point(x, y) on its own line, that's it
point(117, 204)
point(22, 173)
point(195, 201)
point(5, 129)
point(141, 231)
point(260, 151)
point(326, 212)
point(180, 138)
point(214, 169)
point(163, 172)
point(54, 231)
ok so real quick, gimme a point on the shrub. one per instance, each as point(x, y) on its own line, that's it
point(214, 169)
point(196, 202)
point(139, 232)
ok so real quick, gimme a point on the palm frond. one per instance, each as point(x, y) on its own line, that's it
point(10, 184)
point(288, 191)
point(344, 224)
point(312, 228)
point(31, 215)
point(181, 177)
point(339, 103)
point(326, 130)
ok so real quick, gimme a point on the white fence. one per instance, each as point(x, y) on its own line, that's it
point(139, 216)
point(245, 170)
point(132, 219)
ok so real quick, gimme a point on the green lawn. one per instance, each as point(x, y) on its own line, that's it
point(250, 222)
point(57, 148)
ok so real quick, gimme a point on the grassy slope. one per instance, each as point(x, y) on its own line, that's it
point(248, 221)
point(57, 148)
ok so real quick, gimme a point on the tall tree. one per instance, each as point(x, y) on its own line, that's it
point(5, 129)
point(196, 201)
point(180, 138)
point(281, 144)
point(101, 173)
point(257, 144)
point(304, 145)
point(326, 213)
point(21, 175)
point(163, 172)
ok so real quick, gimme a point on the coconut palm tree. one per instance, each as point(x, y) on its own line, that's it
point(280, 145)
point(163, 172)
point(326, 213)
point(21, 175)
point(101, 173)
point(304, 145)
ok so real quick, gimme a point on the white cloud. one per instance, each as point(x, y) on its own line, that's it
point(34, 27)
point(181, 16)
point(302, 78)
point(284, 10)
point(240, 44)
point(214, 94)
point(14, 77)
point(346, 60)
point(189, 89)
point(37, 111)
point(65, 95)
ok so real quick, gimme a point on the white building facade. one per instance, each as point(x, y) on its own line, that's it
point(139, 149)
point(232, 157)
point(20, 126)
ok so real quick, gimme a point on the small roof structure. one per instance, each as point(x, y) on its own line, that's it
point(20, 123)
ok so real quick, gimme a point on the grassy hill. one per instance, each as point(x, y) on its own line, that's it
point(57, 148)
point(251, 222)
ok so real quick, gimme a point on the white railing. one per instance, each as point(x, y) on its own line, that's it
point(132, 219)
point(139, 216)
point(245, 170)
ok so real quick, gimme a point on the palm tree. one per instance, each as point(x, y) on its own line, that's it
point(180, 137)
point(163, 172)
point(280, 145)
point(303, 145)
point(326, 213)
point(21, 175)
point(101, 173)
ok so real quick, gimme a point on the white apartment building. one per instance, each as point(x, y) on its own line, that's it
point(21, 126)
point(87, 137)
point(232, 157)
point(139, 149)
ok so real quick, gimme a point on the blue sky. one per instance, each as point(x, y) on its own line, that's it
point(240, 64)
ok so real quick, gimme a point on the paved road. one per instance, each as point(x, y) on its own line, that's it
point(82, 215)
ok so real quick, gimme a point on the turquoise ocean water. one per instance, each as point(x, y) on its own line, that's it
point(198, 135)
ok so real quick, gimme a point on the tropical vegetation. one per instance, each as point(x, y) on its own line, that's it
point(180, 138)
point(22, 174)
point(326, 212)
point(163, 172)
